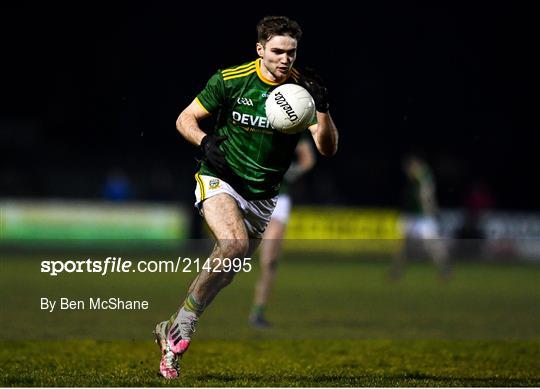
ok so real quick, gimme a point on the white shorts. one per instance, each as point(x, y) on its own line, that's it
point(256, 213)
point(421, 227)
point(282, 211)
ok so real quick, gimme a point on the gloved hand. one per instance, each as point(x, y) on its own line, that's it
point(213, 154)
point(314, 84)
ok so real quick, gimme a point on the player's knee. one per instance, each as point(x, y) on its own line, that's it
point(270, 264)
point(273, 264)
point(225, 278)
point(234, 248)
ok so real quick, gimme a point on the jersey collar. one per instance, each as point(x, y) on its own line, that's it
point(263, 78)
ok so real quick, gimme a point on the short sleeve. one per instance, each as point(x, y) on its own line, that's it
point(212, 96)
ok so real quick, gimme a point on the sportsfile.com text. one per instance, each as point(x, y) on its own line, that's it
point(120, 265)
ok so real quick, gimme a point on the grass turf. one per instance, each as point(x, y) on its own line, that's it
point(337, 323)
point(275, 363)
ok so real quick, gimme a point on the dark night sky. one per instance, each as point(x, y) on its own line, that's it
point(86, 89)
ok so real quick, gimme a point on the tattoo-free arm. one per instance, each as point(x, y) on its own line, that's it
point(188, 123)
point(325, 134)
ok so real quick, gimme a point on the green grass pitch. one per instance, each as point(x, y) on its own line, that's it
point(336, 323)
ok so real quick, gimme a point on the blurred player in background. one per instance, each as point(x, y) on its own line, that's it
point(243, 165)
point(272, 241)
point(421, 228)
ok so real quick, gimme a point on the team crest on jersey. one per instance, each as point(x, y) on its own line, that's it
point(245, 101)
point(213, 183)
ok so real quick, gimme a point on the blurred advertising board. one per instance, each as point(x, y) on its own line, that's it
point(83, 220)
point(344, 229)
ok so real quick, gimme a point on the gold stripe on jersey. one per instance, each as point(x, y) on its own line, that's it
point(239, 75)
point(201, 105)
point(295, 75)
point(201, 185)
point(238, 71)
point(237, 68)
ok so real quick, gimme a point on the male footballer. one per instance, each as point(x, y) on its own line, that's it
point(243, 165)
point(421, 228)
point(272, 240)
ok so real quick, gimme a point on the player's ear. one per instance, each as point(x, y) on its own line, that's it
point(260, 49)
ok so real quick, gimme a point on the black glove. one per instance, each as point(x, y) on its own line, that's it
point(213, 154)
point(314, 84)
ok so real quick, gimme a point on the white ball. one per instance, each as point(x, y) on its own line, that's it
point(290, 108)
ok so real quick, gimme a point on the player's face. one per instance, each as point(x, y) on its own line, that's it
point(278, 55)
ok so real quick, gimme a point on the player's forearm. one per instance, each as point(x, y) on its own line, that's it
point(189, 128)
point(306, 155)
point(326, 135)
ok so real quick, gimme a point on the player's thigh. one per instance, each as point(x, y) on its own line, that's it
point(224, 218)
point(272, 242)
point(274, 231)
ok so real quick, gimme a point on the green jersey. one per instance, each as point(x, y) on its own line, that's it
point(257, 154)
point(421, 192)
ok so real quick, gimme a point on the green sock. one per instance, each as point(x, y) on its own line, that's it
point(193, 305)
point(189, 304)
point(257, 310)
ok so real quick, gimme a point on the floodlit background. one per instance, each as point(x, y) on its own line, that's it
point(92, 166)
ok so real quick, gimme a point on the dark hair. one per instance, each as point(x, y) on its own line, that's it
point(271, 26)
